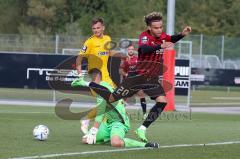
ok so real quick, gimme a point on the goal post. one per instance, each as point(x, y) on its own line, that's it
point(183, 75)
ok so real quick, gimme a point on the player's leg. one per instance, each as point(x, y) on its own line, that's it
point(118, 132)
point(118, 138)
point(84, 123)
point(153, 114)
point(143, 103)
point(95, 74)
point(90, 116)
point(130, 86)
point(121, 92)
point(108, 94)
point(103, 134)
point(116, 141)
point(158, 95)
point(128, 143)
point(155, 111)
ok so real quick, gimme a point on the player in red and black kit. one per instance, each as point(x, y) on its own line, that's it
point(128, 69)
point(152, 43)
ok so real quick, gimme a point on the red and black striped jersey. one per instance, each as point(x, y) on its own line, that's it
point(150, 63)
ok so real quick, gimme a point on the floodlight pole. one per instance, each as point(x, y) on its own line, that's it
point(56, 44)
point(222, 50)
point(170, 17)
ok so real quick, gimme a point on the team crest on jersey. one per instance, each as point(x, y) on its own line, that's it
point(144, 39)
point(84, 48)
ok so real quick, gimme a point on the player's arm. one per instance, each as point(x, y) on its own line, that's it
point(123, 69)
point(83, 53)
point(177, 37)
point(100, 110)
point(145, 46)
point(148, 49)
point(90, 137)
point(79, 64)
point(122, 72)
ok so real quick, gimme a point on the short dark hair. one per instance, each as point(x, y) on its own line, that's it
point(131, 44)
point(94, 72)
point(98, 19)
point(152, 17)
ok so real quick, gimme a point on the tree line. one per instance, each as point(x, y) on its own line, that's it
point(123, 18)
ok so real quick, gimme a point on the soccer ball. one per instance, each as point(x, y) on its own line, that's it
point(41, 132)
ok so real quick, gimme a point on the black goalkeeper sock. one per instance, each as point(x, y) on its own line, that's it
point(143, 105)
point(154, 113)
point(100, 90)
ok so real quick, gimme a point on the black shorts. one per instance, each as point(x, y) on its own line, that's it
point(131, 85)
point(131, 74)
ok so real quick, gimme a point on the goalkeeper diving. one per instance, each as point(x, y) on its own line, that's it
point(116, 122)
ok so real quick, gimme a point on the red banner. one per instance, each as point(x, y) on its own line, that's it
point(168, 76)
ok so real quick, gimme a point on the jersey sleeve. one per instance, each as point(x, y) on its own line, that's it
point(175, 38)
point(168, 38)
point(101, 108)
point(171, 38)
point(107, 44)
point(102, 104)
point(86, 48)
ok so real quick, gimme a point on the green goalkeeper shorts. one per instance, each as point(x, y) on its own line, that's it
point(106, 131)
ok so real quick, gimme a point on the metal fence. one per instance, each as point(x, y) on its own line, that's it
point(208, 51)
point(38, 44)
point(212, 51)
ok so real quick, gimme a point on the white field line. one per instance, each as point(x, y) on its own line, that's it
point(122, 150)
point(25, 112)
point(88, 104)
point(227, 98)
point(223, 103)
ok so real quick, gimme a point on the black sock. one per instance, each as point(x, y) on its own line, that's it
point(154, 113)
point(143, 105)
point(100, 90)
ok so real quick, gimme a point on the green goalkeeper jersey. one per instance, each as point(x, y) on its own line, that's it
point(109, 113)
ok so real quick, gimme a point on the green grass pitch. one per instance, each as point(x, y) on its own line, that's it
point(206, 97)
point(17, 122)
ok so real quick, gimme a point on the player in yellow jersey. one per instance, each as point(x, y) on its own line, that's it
point(97, 51)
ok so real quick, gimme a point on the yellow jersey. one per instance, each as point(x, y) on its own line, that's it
point(96, 51)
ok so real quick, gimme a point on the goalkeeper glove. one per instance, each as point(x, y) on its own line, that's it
point(91, 136)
